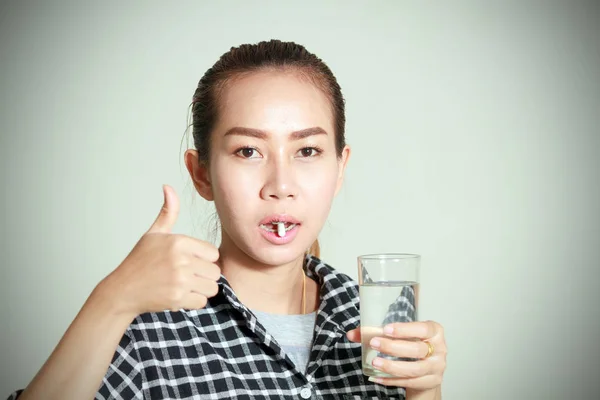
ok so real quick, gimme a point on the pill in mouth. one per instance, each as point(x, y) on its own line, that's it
point(281, 229)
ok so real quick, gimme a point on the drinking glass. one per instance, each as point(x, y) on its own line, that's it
point(389, 293)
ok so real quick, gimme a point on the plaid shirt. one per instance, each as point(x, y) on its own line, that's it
point(222, 351)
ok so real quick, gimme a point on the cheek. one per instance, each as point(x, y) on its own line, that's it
point(319, 186)
point(321, 176)
point(224, 193)
point(232, 185)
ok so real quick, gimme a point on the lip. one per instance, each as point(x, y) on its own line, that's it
point(279, 218)
point(273, 237)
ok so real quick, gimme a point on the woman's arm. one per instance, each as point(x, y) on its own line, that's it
point(163, 272)
point(77, 365)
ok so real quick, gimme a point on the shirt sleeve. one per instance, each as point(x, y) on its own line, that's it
point(123, 379)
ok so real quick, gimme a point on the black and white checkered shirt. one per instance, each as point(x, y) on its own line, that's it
point(222, 352)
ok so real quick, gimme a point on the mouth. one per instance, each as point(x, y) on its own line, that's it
point(279, 225)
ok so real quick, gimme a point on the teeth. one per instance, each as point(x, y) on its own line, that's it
point(280, 229)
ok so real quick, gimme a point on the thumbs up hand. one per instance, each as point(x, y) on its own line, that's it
point(164, 271)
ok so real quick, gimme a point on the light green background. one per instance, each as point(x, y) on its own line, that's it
point(476, 144)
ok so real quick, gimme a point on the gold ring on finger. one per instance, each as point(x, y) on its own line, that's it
point(430, 349)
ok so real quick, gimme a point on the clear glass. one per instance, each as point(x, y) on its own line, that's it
point(389, 293)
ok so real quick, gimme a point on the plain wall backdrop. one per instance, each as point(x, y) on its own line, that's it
point(474, 128)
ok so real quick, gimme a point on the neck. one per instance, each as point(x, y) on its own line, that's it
point(267, 288)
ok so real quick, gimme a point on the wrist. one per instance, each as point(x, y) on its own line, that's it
point(429, 394)
point(104, 298)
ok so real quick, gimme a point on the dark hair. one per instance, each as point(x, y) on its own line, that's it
point(248, 58)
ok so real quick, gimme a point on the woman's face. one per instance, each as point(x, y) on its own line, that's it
point(273, 158)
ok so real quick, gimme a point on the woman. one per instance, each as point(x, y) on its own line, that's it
point(260, 317)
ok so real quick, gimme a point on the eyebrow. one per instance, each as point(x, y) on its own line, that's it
point(260, 134)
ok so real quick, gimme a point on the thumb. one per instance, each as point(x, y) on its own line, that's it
point(168, 213)
point(354, 335)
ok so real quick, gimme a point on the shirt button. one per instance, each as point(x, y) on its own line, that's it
point(305, 393)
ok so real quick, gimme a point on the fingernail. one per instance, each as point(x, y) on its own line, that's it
point(377, 362)
point(375, 343)
point(388, 330)
point(375, 380)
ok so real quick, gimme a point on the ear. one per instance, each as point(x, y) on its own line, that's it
point(342, 163)
point(199, 173)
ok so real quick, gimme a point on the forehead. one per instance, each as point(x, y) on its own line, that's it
point(274, 101)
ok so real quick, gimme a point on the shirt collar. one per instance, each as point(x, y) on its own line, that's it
point(338, 295)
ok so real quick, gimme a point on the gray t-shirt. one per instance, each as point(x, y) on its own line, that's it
point(294, 333)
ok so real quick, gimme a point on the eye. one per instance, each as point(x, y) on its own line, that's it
point(248, 152)
point(309, 152)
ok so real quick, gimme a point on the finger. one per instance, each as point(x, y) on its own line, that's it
point(203, 286)
point(404, 369)
point(354, 335)
point(197, 248)
point(400, 348)
point(193, 301)
point(418, 330)
point(165, 221)
point(204, 269)
point(420, 383)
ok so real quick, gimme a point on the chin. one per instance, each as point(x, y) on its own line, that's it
point(270, 254)
point(276, 255)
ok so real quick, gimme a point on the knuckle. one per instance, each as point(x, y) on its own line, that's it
point(181, 280)
point(416, 371)
point(176, 243)
point(384, 346)
point(419, 351)
point(387, 367)
point(177, 278)
point(172, 251)
point(434, 329)
point(442, 366)
point(180, 260)
point(443, 351)
point(211, 271)
point(393, 348)
point(440, 348)
point(174, 295)
point(393, 369)
point(176, 259)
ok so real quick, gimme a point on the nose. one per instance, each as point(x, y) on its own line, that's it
point(280, 182)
